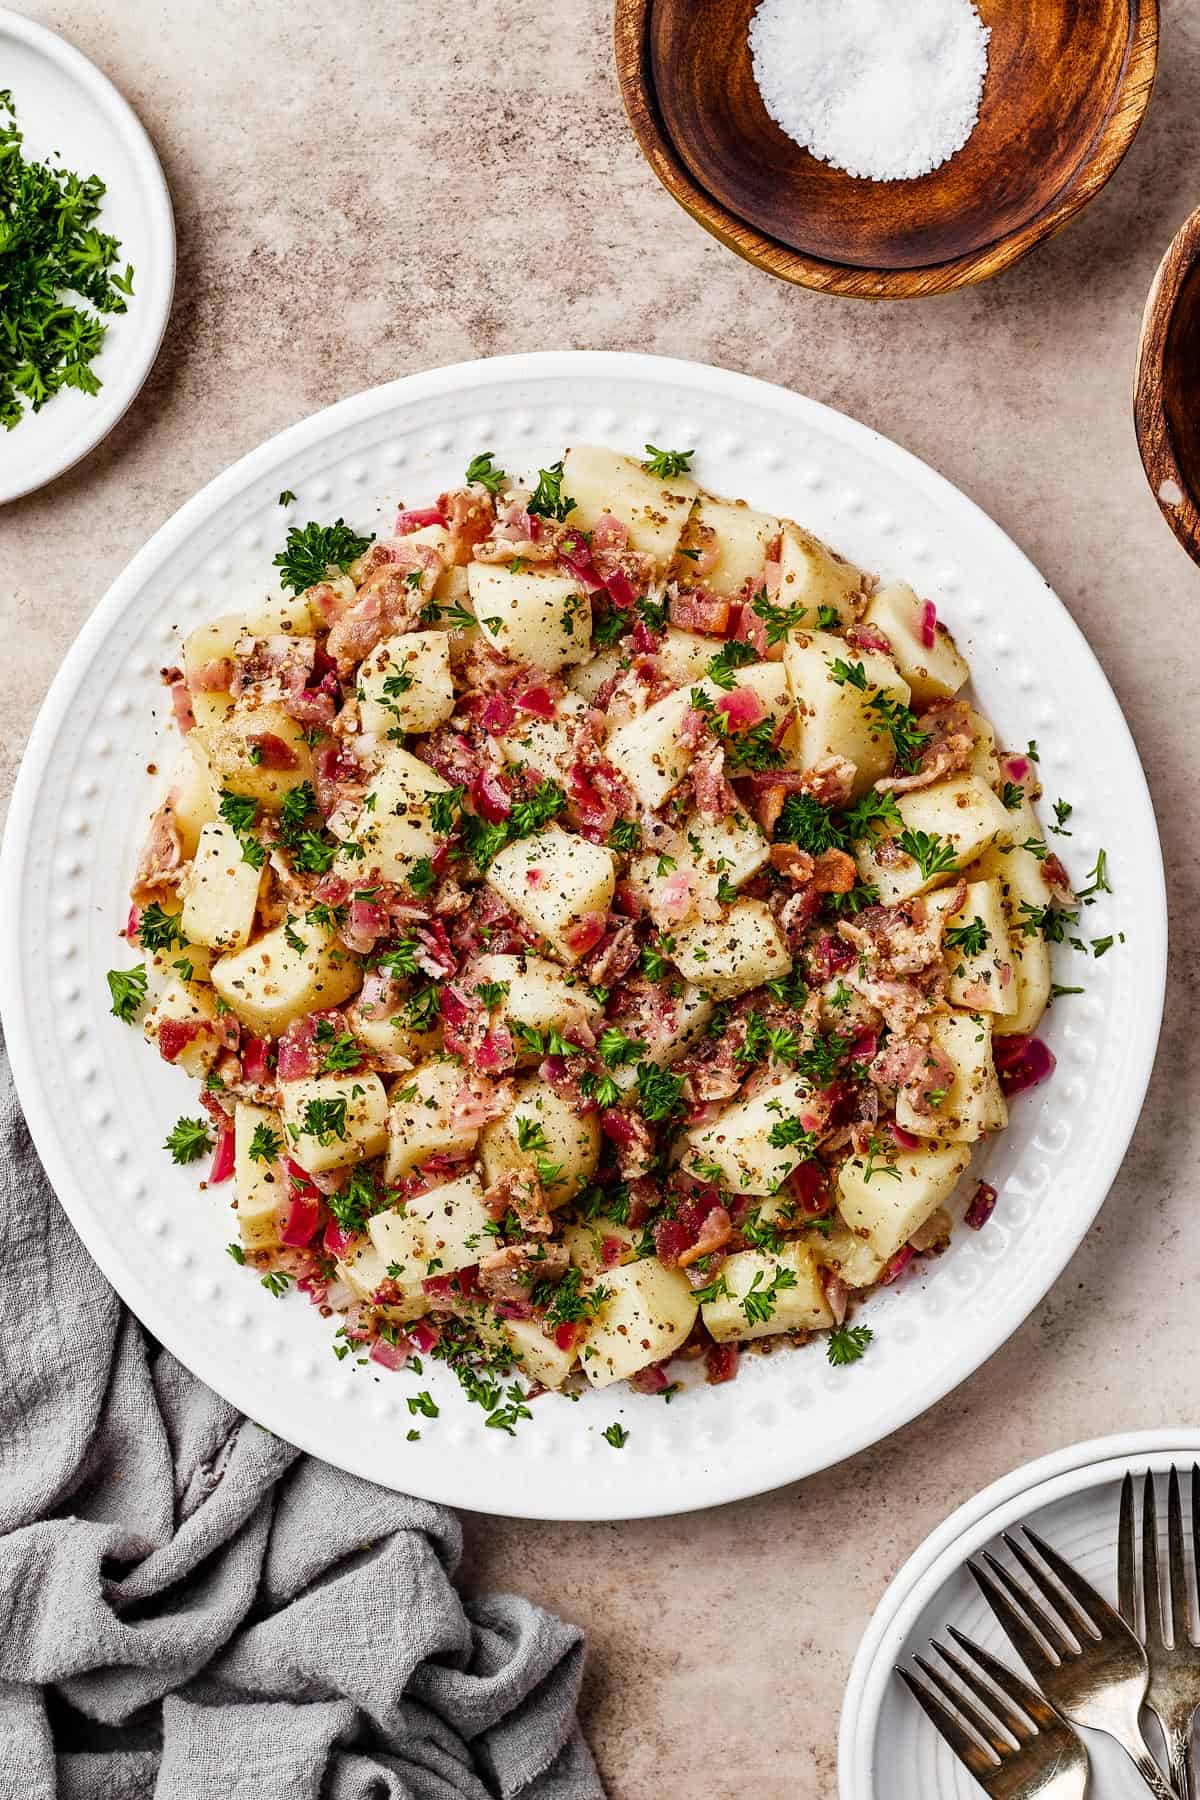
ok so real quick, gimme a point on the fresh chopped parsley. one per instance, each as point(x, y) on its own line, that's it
point(666, 463)
point(900, 722)
point(548, 500)
point(971, 939)
point(423, 1403)
point(1012, 796)
point(1062, 812)
point(660, 1094)
point(729, 659)
point(812, 827)
point(616, 1435)
point(760, 1301)
point(266, 1145)
point(853, 673)
point(444, 805)
point(188, 1139)
point(779, 620)
point(1097, 879)
point(932, 854)
point(355, 1203)
point(50, 248)
point(276, 1282)
point(482, 469)
point(873, 809)
point(286, 497)
point(312, 551)
point(625, 836)
point(311, 855)
point(127, 990)
point(847, 1344)
point(790, 1134)
point(158, 930)
point(325, 1120)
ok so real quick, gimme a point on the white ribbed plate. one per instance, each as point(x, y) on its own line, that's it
point(99, 1103)
point(1071, 1498)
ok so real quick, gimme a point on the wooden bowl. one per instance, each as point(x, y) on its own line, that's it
point(1067, 86)
point(1166, 389)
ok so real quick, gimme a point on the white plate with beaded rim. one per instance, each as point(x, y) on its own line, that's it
point(1071, 1498)
point(67, 108)
point(99, 1104)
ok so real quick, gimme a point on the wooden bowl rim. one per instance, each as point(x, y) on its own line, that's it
point(1152, 428)
point(1100, 162)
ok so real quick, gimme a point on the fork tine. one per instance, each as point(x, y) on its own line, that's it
point(962, 1704)
point(1106, 1619)
point(968, 1752)
point(1010, 1720)
point(1010, 1683)
point(1181, 1612)
point(1020, 1637)
point(1063, 1609)
point(1126, 1584)
point(1151, 1590)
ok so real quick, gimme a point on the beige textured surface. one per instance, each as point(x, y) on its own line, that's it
point(408, 185)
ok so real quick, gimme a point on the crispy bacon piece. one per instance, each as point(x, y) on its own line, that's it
point(519, 1191)
point(834, 872)
point(917, 1068)
point(897, 940)
point(181, 705)
point(388, 602)
point(512, 1273)
point(793, 863)
point(691, 609)
point(711, 788)
point(714, 1234)
point(160, 866)
point(469, 514)
point(949, 750)
point(275, 668)
point(831, 781)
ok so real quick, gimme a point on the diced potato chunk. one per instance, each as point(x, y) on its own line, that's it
point(712, 854)
point(786, 1286)
point(364, 1272)
point(333, 1120)
point(933, 671)
point(261, 1190)
point(586, 1245)
point(192, 798)
point(545, 745)
point(187, 1003)
point(556, 882)
point(974, 1104)
point(647, 750)
point(889, 1208)
point(738, 1142)
point(434, 1233)
point(847, 1254)
point(392, 1037)
point(647, 1315)
point(272, 982)
point(542, 1133)
point(245, 752)
point(220, 891)
point(394, 827)
point(961, 813)
point(985, 761)
point(685, 655)
point(538, 1355)
point(217, 641)
point(421, 1119)
point(814, 576)
point(653, 510)
point(537, 615)
point(742, 536)
point(981, 979)
point(730, 956)
point(587, 678)
point(404, 685)
point(538, 994)
point(836, 716)
point(1023, 891)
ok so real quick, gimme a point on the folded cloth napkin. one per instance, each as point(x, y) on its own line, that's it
point(192, 1610)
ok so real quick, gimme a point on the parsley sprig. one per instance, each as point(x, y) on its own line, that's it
point(311, 551)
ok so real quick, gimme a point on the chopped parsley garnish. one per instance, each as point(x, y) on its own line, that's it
point(311, 855)
point(779, 620)
point(276, 1282)
point(355, 1203)
point(1097, 878)
point(159, 930)
point(805, 822)
point(423, 1009)
point(127, 990)
point(666, 463)
point(1012, 796)
point(286, 497)
point(873, 809)
point(491, 992)
point(971, 939)
point(932, 854)
point(422, 877)
point(266, 1145)
point(423, 1403)
point(853, 673)
point(444, 805)
point(1062, 812)
point(724, 666)
point(847, 1344)
point(188, 1139)
point(900, 722)
point(790, 1134)
point(616, 1435)
point(49, 248)
point(760, 1301)
point(625, 836)
point(548, 500)
point(483, 470)
point(615, 1048)
point(312, 551)
point(660, 1094)
point(325, 1120)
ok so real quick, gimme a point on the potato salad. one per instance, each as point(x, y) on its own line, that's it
point(599, 925)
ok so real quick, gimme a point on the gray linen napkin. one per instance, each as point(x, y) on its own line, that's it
point(192, 1610)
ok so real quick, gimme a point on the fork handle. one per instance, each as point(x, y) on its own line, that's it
point(1150, 1773)
point(1178, 1747)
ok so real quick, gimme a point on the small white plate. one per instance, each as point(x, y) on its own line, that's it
point(1071, 1499)
point(99, 1104)
point(65, 104)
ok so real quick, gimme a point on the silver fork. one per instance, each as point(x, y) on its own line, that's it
point(1174, 1691)
point(1099, 1680)
point(1026, 1756)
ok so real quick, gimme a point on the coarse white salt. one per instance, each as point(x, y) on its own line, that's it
point(887, 89)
